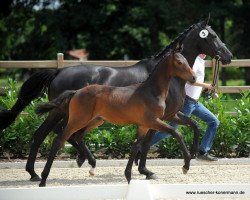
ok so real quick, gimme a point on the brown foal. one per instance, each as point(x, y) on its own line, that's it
point(141, 104)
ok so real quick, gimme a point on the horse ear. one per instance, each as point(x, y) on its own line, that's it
point(208, 18)
point(204, 23)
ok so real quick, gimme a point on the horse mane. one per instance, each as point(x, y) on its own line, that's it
point(169, 50)
point(179, 38)
point(166, 51)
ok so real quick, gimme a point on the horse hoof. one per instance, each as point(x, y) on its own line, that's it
point(92, 172)
point(42, 185)
point(184, 170)
point(151, 177)
point(35, 178)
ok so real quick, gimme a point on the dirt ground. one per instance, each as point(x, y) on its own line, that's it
point(228, 171)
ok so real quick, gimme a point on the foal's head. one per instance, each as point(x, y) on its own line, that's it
point(179, 65)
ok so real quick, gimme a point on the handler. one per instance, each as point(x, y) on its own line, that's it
point(194, 107)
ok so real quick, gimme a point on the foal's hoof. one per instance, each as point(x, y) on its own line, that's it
point(92, 172)
point(151, 177)
point(79, 161)
point(42, 185)
point(184, 170)
point(35, 178)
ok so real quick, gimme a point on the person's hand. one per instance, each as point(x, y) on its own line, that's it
point(209, 87)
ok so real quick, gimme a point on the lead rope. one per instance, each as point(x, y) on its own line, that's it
point(213, 94)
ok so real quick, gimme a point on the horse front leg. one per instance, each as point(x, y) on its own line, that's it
point(182, 119)
point(145, 146)
point(38, 137)
point(134, 150)
point(159, 125)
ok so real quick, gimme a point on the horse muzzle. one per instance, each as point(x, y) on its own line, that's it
point(224, 55)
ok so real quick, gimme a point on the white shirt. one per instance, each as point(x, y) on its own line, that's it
point(199, 70)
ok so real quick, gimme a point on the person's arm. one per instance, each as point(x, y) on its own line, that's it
point(204, 85)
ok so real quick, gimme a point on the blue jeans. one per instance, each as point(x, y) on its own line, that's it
point(199, 110)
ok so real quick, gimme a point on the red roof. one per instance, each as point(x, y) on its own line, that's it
point(78, 53)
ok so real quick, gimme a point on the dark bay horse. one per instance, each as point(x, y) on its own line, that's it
point(72, 78)
point(141, 104)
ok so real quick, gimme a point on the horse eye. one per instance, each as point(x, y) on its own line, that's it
point(179, 62)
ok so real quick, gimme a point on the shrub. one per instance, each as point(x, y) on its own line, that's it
point(232, 138)
point(15, 140)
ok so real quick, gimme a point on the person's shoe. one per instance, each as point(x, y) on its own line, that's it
point(206, 157)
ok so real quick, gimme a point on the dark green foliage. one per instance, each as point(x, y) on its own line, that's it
point(15, 140)
point(33, 29)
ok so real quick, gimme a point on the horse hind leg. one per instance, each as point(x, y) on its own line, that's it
point(56, 146)
point(73, 141)
point(39, 136)
point(75, 123)
point(91, 159)
point(80, 157)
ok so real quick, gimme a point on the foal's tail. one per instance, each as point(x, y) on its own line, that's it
point(31, 89)
point(60, 102)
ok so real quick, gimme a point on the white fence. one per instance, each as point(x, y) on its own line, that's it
point(136, 190)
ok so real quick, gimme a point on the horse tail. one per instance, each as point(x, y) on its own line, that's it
point(60, 102)
point(30, 90)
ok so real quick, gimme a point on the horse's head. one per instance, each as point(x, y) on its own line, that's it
point(179, 65)
point(209, 43)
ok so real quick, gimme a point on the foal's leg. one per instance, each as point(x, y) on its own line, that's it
point(79, 138)
point(82, 150)
point(39, 136)
point(134, 150)
point(57, 144)
point(59, 131)
point(182, 119)
point(145, 145)
point(75, 122)
point(159, 125)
